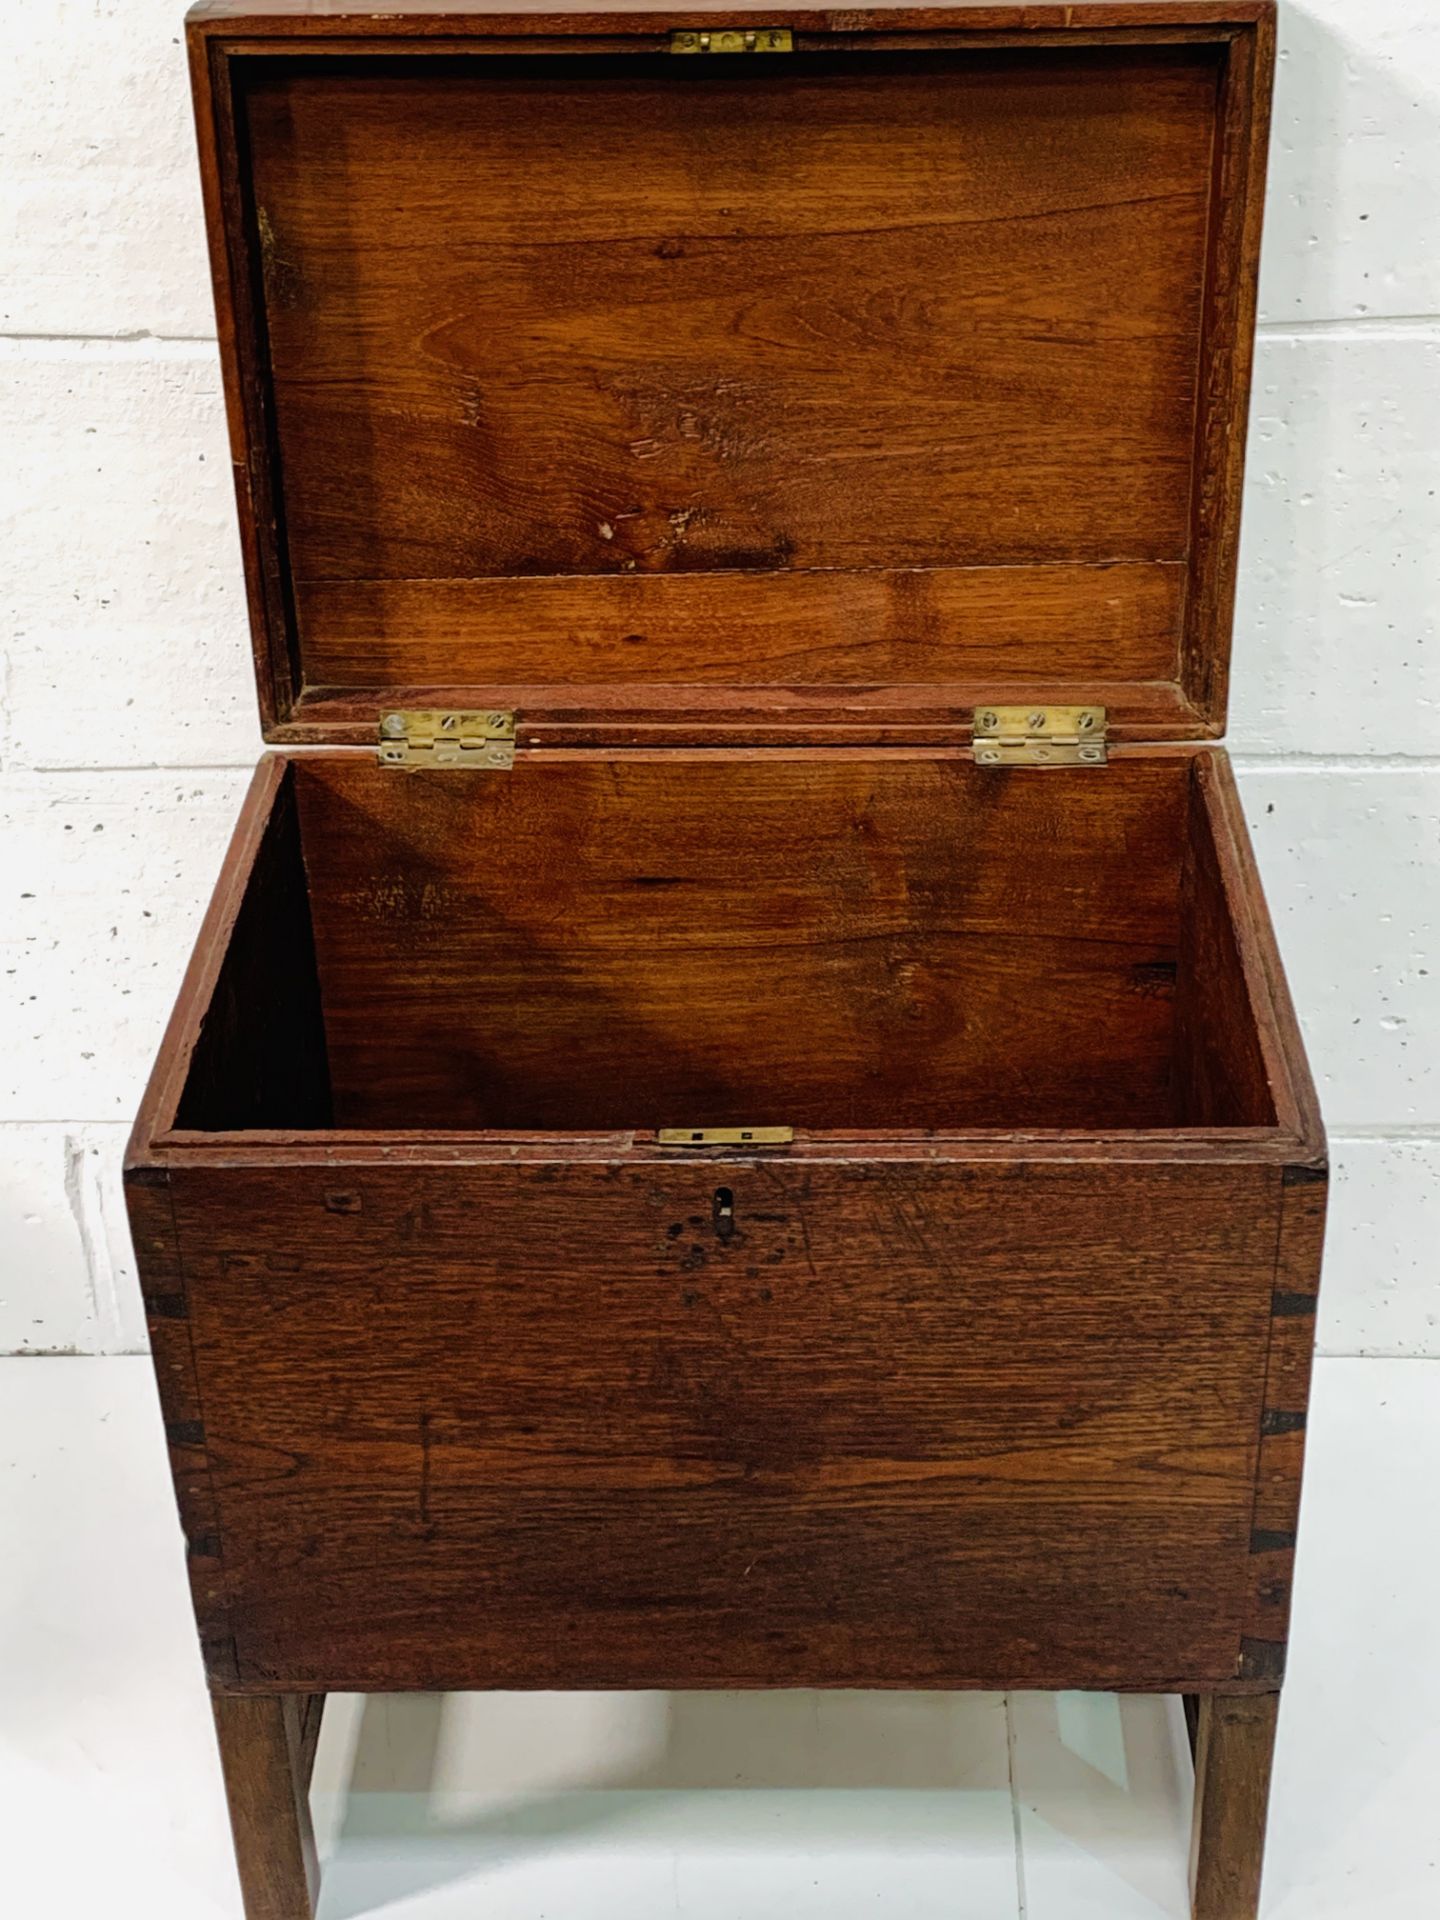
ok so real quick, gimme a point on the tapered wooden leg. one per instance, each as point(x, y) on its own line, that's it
point(1234, 1746)
point(267, 1748)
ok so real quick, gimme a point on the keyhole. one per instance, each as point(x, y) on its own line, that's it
point(723, 1211)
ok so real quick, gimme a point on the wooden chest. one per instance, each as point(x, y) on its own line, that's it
point(735, 1119)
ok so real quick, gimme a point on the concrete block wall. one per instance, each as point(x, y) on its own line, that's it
point(126, 707)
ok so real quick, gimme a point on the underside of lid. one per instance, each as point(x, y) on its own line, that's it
point(810, 396)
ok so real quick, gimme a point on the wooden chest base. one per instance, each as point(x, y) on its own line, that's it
point(459, 1396)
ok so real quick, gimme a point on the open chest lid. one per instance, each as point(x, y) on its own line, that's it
point(823, 380)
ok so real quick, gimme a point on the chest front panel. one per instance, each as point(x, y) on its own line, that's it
point(686, 1426)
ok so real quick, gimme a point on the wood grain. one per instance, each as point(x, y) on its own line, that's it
point(259, 1059)
point(418, 18)
point(582, 947)
point(1234, 1750)
point(907, 1427)
point(742, 407)
point(1281, 1044)
point(965, 303)
point(716, 942)
point(1221, 1074)
point(850, 321)
point(311, 1718)
point(1294, 1310)
point(1226, 361)
point(606, 714)
point(167, 1319)
point(260, 1739)
point(835, 630)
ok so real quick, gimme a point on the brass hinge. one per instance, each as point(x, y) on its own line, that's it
point(1040, 737)
point(733, 40)
point(725, 1136)
point(441, 737)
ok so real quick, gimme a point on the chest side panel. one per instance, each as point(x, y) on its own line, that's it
point(700, 1425)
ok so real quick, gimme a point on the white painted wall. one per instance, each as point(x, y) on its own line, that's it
point(126, 705)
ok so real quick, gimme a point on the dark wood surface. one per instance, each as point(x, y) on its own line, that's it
point(1113, 1421)
point(261, 1739)
point(601, 714)
point(184, 1031)
point(941, 352)
point(810, 632)
point(260, 1059)
point(1283, 1420)
point(704, 941)
point(813, 901)
point(737, 406)
point(1222, 1076)
point(1234, 1749)
point(557, 1427)
point(343, 18)
point(1226, 362)
point(312, 1716)
point(847, 945)
point(177, 1377)
point(706, 322)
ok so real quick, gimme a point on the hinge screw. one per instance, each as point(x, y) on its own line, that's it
point(393, 726)
point(1085, 722)
point(1036, 722)
point(988, 721)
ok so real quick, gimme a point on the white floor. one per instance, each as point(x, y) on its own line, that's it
point(701, 1806)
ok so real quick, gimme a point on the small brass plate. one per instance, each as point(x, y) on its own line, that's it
point(1040, 737)
point(725, 1136)
point(733, 40)
point(447, 737)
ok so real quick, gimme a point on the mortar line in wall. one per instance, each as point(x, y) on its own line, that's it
point(1368, 1354)
point(1245, 762)
point(1353, 1135)
point(1359, 323)
point(135, 766)
point(129, 337)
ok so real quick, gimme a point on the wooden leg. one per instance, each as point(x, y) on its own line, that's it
point(1234, 1745)
point(267, 1748)
point(312, 1709)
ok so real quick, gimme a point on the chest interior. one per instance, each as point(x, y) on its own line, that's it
point(743, 427)
point(671, 941)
